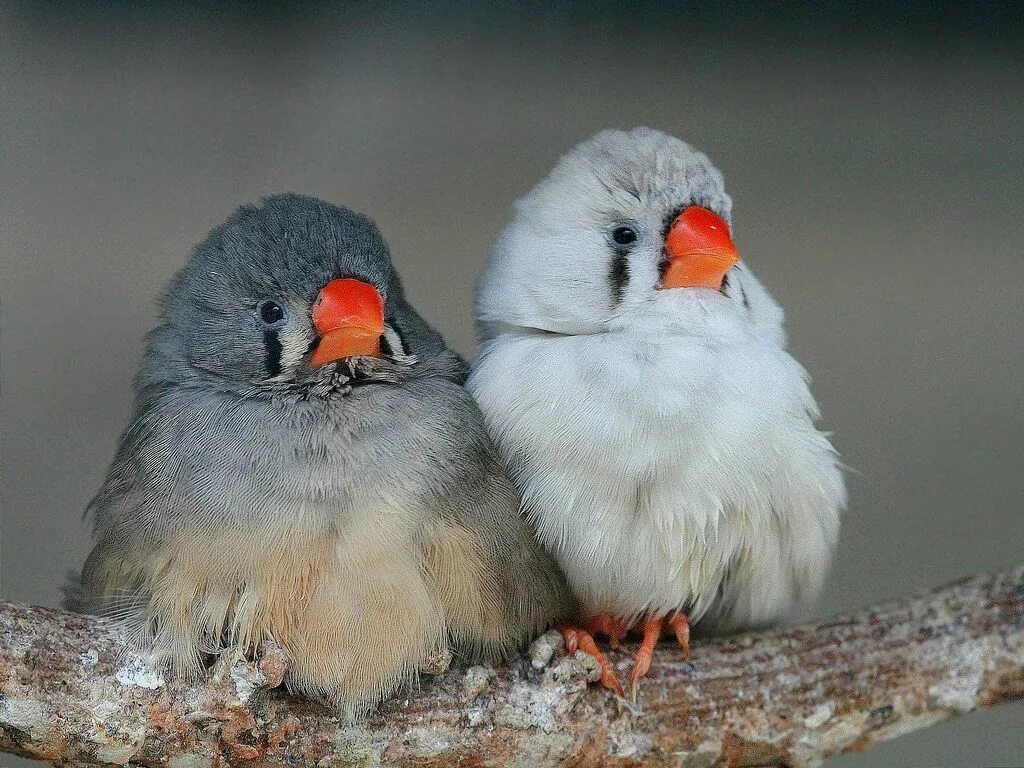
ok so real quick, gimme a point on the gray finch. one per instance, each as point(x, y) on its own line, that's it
point(304, 466)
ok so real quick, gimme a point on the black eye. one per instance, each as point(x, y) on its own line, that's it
point(624, 235)
point(271, 312)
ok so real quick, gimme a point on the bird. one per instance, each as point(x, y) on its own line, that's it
point(634, 376)
point(303, 466)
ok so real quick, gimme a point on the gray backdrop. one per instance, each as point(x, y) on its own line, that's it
point(874, 155)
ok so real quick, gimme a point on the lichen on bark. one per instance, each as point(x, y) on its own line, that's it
point(73, 693)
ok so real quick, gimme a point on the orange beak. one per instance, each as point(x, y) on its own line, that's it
point(700, 250)
point(349, 316)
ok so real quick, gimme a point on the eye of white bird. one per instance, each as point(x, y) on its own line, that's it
point(271, 312)
point(624, 235)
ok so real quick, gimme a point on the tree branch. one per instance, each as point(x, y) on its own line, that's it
point(71, 692)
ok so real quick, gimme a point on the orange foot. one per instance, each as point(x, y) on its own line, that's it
point(576, 638)
point(644, 654)
point(681, 625)
point(607, 625)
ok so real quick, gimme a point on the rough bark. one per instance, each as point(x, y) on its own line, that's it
point(72, 693)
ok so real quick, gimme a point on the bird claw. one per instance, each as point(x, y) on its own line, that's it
point(575, 639)
point(644, 654)
point(606, 624)
point(681, 626)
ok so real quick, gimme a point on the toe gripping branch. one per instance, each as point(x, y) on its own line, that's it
point(577, 638)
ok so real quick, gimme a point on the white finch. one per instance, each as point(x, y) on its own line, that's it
point(634, 376)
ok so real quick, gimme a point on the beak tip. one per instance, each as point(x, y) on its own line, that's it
point(700, 250)
point(349, 316)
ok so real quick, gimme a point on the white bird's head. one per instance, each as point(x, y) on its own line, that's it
point(627, 224)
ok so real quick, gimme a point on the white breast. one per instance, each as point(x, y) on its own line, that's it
point(665, 473)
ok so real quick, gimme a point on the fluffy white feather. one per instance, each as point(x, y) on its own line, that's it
point(663, 440)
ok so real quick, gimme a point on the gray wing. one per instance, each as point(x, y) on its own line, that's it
point(498, 588)
point(106, 584)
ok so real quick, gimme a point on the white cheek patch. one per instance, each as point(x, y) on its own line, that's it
point(394, 343)
point(295, 343)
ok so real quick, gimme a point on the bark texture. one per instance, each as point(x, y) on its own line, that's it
point(72, 692)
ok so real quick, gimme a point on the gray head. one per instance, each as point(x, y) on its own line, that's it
point(291, 293)
point(621, 218)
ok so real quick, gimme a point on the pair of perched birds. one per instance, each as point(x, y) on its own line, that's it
point(307, 462)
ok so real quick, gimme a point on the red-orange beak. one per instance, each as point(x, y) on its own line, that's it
point(349, 316)
point(700, 250)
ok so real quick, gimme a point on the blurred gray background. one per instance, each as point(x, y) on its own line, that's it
point(875, 157)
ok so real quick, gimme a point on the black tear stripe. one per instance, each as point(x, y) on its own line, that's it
point(618, 275)
point(743, 293)
point(273, 359)
point(726, 285)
